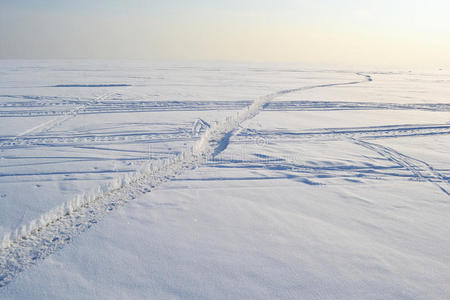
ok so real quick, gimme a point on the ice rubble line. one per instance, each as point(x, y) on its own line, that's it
point(154, 172)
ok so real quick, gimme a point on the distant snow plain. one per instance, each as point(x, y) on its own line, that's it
point(154, 180)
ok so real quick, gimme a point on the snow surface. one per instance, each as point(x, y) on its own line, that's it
point(335, 187)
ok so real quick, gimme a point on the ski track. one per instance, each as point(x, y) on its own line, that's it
point(98, 106)
point(50, 124)
point(421, 170)
point(97, 139)
point(374, 132)
point(37, 240)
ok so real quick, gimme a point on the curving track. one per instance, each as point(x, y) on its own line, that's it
point(53, 230)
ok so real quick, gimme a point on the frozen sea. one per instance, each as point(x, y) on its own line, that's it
point(138, 180)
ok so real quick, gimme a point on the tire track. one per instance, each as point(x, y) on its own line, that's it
point(50, 124)
point(32, 109)
point(374, 132)
point(97, 139)
point(39, 239)
point(421, 170)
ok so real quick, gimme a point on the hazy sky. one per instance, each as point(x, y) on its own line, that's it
point(370, 32)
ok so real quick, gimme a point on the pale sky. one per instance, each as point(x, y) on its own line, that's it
point(366, 32)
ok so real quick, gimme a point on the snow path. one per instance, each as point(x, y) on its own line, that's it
point(421, 170)
point(41, 238)
point(50, 124)
point(372, 132)
point(35, 109)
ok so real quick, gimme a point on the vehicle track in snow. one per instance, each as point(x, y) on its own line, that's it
point(68, 108)
point(64, 116)
point(421, 170)
point(372, 132)
point(97, 139)
point(37, 240)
